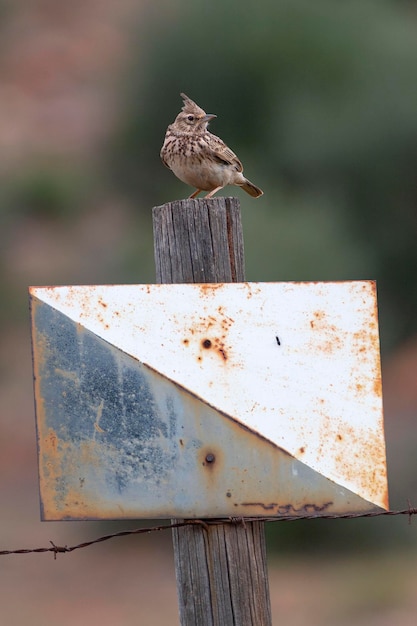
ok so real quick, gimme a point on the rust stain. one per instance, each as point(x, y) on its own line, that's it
point(251, 290)
point(267, 507)
point(211, 458)
point(319, 316)
point(378, 386)
point(223, 353)
point(217, 345)
point(367, 445)
point(211, 332)
point(76, 500)
point(51, 442)
point(333, 338)
point(289, 509)
point(207, 289)
point(86, 302)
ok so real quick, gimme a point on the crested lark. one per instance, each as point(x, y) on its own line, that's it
point(199, 158)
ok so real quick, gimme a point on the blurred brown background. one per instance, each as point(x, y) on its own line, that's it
point(320, 102)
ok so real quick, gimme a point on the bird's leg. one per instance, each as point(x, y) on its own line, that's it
point(195, 194)
point(213, 191)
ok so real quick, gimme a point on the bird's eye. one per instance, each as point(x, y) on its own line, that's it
point(190, 118)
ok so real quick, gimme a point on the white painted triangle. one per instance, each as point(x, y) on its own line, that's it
point(296, 362)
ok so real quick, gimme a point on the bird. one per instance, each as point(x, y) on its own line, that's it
point(199, 158)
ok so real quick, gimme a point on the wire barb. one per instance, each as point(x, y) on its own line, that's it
point(411, 511)
point(55, 549)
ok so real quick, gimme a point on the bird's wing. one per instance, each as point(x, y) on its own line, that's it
point(220, 151)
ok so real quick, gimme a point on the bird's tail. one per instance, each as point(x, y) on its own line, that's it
point(252, 189)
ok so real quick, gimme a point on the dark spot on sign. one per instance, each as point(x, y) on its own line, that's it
point(206, 343)
point(302, 450)
point(210, 458)
point(103, 304)
point(339, 437)
point(223, 353)
point(228, 494)
point(186, 342)
point(305, 509)
point(267, 507)
point(181, 442)
point(278, 341)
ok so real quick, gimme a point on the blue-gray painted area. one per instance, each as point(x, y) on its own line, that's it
point(118, 440)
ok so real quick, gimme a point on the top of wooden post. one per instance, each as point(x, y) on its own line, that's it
point(199, 241)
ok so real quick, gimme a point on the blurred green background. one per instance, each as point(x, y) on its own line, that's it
point(319, 100)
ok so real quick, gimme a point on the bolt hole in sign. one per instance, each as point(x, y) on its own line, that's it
point(209, 400)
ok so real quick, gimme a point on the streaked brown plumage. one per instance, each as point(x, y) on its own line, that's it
point(199, 158)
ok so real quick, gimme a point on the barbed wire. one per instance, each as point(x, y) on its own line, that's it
point(205, 523)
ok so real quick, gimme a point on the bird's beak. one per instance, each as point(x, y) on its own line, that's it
point(209, 117)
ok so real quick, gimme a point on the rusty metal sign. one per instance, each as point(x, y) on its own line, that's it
point(208, 400)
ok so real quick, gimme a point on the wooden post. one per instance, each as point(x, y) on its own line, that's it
point(221, 570)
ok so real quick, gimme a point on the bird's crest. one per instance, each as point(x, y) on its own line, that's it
point(190, 106)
